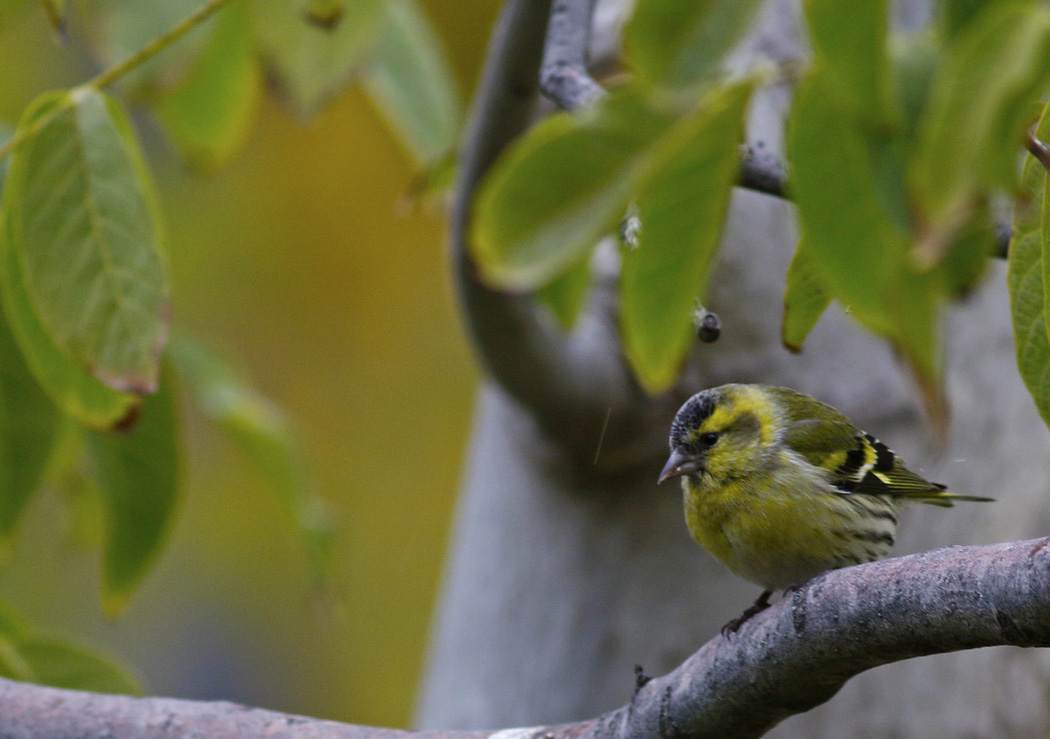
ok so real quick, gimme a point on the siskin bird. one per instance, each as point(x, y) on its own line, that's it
point(780, 487)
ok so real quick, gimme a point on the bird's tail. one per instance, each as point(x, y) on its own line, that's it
point(940, 496)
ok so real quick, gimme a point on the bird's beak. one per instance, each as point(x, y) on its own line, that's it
point(677, 465)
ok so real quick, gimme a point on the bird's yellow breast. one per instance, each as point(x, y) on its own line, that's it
point(784, 525)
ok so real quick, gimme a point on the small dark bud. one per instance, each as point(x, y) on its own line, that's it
point(708, 327)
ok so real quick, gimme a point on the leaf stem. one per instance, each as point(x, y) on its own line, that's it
point(1037, 148)
point(157, 45)
point(107, 76)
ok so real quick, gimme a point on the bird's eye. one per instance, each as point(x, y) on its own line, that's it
point(709, 438)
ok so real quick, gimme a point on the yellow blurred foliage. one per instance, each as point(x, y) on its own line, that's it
point(295, 261)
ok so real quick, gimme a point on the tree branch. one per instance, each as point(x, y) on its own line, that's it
point(577, 384)
point(786, 660)
point(563, 75)
point(32, 711)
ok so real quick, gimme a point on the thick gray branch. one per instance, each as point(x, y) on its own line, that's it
point(786, 660)
point(35, 712)
point(563, 76)
point(800, 653)
point(763, 171)
point(575, 385)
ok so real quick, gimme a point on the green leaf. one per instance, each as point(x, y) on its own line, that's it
point(565, 294)
point(71, 387)
point(839, 204)
point(680, 43)
point(968, 255)
point(411, 81)
point(210, 112)
point(849, 45)
point(980, 104)
point(848, 184)
point(312, 64)
point(62, 663)
point(138, 474)
point(557, 191)
point(805, 299)
point(913, 58)
point(82, 218)
point(28, 655)
point(1025, 279)
point(682, 202)
point(28, 424)
point(262, 432)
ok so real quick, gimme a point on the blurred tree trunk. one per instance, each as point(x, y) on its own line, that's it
point(563, 574)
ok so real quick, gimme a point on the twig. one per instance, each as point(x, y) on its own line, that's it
point(1037, 148)
point(786, 660)
point(118, 70)
point(563, 75)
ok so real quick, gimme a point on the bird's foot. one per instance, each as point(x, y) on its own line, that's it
point(760, 604)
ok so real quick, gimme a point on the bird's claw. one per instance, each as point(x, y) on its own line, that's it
point(754, 609)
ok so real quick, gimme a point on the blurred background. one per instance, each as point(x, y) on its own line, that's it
point(297, 261)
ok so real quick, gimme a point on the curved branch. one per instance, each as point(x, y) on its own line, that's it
point(784, 661)
point(799, 653)
point(32, 711)
point(568, 382)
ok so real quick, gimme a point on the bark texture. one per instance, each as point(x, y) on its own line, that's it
point(563, 574)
